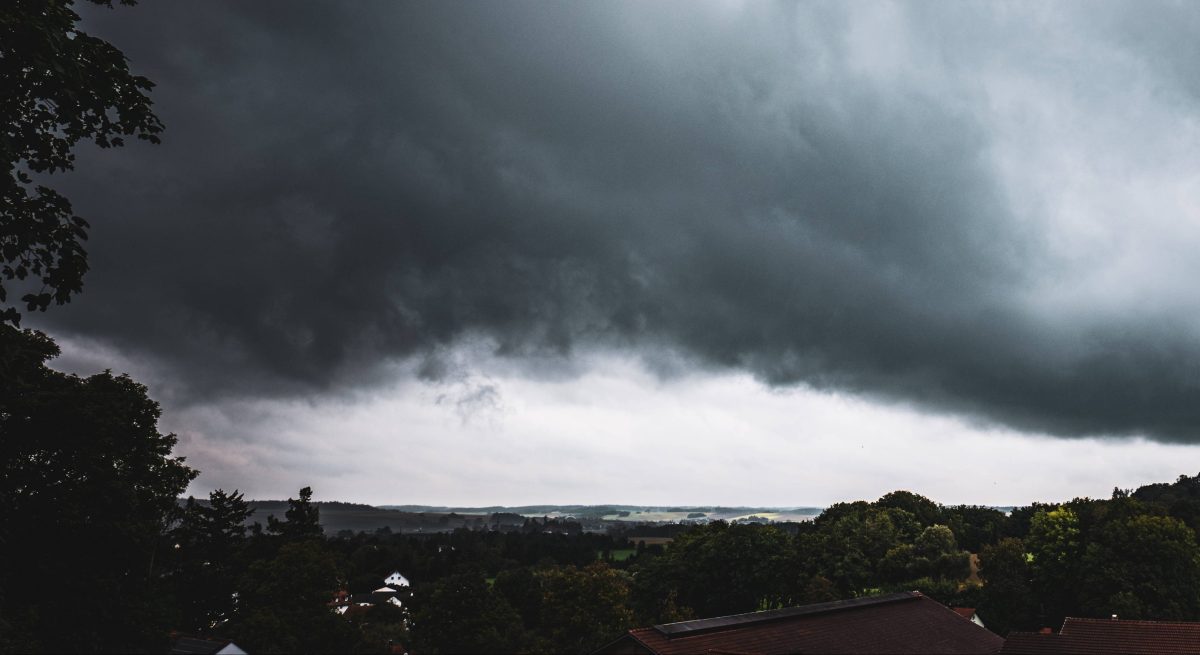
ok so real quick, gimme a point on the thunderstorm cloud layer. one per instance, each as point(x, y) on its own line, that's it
point(986, 210)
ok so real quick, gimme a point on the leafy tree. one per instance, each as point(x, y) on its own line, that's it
point(898, 564)
point(206, 551)
point(1056, 545)
point(934, 541)
point(87, 487)
point(861, 548)
point(836, 551)
point(943, 590)
point(1008, 601)
point(883, 528)
point(462, 614)
point(1142, 567)
point(838, 511)
point(523, 591)
point(933, 556)
point(382, 627)
point(719, 569)
point(282, 604)
point(938, 556)
point(975, 526)
point(302, 519)
point(818, 589)
point(670, 611)
point(1020, 519)
point(61, 86)
point(926, 511)
point(582, 609)
point(1181, 499)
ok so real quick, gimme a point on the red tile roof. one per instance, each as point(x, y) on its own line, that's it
point(897, 623)
point(1109, 636)
point(965, 612)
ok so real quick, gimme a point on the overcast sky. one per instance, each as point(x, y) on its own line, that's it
point(725, 252)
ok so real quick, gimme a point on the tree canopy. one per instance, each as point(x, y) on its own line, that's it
point(59, 86)
point(302, 519)
point(87, 487)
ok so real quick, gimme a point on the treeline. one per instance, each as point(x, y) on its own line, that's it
point(98, 554)
point(1134, 555)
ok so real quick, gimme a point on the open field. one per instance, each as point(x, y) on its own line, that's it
point(619, 555)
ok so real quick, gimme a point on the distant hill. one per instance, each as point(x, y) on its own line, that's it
point(601, 510)
point(358, 517)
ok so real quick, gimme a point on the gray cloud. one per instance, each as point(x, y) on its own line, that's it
point(814, 194)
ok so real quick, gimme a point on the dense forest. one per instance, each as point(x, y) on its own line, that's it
point(89, 494)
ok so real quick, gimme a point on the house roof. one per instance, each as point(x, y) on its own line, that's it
point(355, 610)
point(400, 580)
point(965, 612)
point(1104, 636)
point(907, 622)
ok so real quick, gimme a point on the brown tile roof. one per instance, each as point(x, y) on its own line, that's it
point(1109, 636)
point(897, 623)
point(965, 612)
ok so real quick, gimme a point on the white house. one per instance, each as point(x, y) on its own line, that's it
point(395, 580)
point(387, 595)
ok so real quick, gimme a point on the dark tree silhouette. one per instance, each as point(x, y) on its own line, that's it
point(87, 487)
point(462, 614)
point(58, 86)
point(282, 604)
point(303, 519)
point(1008, 601)
point(206, 548)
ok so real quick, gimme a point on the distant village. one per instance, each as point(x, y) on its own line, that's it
point(395, 591)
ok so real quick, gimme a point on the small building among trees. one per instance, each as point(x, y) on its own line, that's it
point(396, 580)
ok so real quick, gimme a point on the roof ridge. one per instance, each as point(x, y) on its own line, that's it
point(1081, 619)
point(699, 626)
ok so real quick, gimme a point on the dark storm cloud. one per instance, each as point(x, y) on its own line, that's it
point(344, 185)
